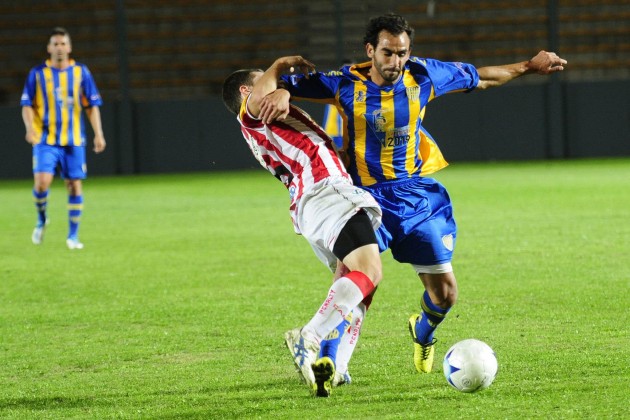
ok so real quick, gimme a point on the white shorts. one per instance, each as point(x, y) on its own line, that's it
point(323, 211)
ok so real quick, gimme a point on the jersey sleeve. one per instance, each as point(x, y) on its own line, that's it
point(91, 96)
point(447, 77)
point(28, 94)
point(318, 87)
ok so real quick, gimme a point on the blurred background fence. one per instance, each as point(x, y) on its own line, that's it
point(160, 64)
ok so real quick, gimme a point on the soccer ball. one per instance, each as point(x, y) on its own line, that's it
point(470, 365)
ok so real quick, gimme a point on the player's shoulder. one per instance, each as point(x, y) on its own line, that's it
point(431, 66)
point(39, 67)
point(347, 72)
point(84, 68)
point(423, 64)
point(432, 63)
point(75, 63)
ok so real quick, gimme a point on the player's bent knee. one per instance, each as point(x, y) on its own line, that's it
point(374, 272)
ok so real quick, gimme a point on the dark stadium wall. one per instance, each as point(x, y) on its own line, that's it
point(598, 119)
point(504, 124)
point(490, 125)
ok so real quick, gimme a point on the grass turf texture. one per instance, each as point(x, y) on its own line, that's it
point(178, 304)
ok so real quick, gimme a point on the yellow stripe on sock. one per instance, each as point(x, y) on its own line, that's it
point(429, 311)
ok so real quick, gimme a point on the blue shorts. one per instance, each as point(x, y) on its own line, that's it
point(69, 159)
point(418, 225)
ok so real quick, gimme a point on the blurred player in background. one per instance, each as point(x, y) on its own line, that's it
point(333, 124)
point(333, 121)
point(335, 217)
point(55, 93)
point(390, 153)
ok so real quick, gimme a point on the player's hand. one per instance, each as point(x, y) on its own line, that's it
point(294, 64)
point(31, 137)
point(546, 62)
point(274, 106)
point(99, 143)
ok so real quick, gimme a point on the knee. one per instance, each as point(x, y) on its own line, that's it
point(74, 187)
point(41, 185)
point(376, 274)
point(366, 260)
point(373, 270)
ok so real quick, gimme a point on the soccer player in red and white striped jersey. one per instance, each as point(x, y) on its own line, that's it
point(335, 217)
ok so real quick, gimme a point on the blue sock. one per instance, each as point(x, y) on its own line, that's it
point(41, 201)
point(432, 315)
point(330, 344)
point(75, 207)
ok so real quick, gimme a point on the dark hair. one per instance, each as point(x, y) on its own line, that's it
point(59, 30)
point(231, 88)
point(392, 23)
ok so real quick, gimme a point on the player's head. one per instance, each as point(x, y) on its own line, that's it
point(237, 86)
point(390, 22)
point(59, 44)
point(388, 39)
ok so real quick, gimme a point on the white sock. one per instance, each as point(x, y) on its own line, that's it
point(350, 338)
point(345, 293)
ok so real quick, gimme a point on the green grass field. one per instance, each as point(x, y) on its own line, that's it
point(177, 306)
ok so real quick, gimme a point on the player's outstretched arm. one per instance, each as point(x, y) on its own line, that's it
point(543, 63)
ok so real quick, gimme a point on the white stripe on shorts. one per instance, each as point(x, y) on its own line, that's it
point(433, 269)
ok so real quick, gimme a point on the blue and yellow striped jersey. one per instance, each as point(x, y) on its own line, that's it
point(384, 138)
point(58, 97)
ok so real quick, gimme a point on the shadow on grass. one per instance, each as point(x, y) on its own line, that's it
point(236, 391)
point(46, 403)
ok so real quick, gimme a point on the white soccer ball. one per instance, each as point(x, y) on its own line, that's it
point(470, 365)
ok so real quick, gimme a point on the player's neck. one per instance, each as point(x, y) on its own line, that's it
point(60, 64)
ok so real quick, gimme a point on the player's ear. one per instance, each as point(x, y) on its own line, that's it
point(244, 90)
point(369, 50)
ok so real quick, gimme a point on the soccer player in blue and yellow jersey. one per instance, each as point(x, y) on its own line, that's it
point(55, 94)
point(389, 152)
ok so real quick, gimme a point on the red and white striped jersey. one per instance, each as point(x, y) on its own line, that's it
point(296, 150)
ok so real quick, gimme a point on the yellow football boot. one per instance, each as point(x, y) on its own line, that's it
point(422, 353)
point(324, 371)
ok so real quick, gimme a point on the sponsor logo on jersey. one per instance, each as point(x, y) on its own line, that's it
point(389, 138)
